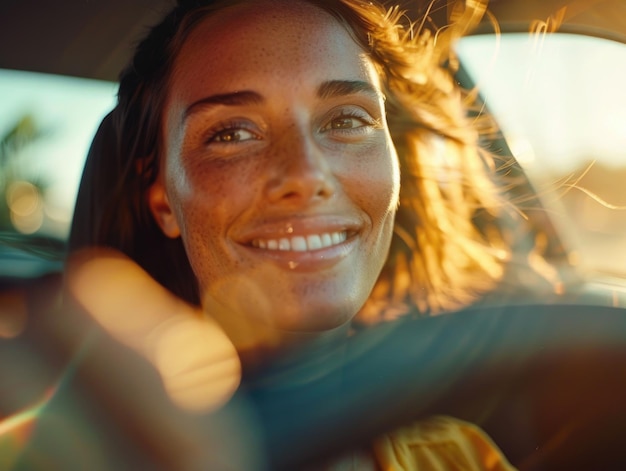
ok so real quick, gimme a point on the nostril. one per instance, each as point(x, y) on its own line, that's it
point(301, 190)
point(303, 177)
point(325, 190)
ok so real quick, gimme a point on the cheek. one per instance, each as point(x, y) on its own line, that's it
point(213, 191)
point(390, 180)
point(207, 198)
point(374, 184)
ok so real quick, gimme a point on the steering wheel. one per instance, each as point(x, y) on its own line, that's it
point(546, 382)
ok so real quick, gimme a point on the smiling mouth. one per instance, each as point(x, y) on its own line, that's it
point(308, 243)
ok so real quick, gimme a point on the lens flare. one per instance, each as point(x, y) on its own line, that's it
point(197, 362)
point(16, 431)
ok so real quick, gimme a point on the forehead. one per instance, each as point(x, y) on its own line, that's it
point(241, 45)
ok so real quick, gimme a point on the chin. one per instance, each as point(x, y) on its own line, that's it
point(315, 318)
point(267, 309)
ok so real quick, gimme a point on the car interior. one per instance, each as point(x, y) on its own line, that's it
point(547, 372)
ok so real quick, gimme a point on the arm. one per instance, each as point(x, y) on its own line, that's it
point(197, 362)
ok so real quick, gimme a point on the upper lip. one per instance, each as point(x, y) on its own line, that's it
point(299, 226)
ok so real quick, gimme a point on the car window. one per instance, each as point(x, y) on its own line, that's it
point(58, 117)
point(560, 101)
point(46, 125)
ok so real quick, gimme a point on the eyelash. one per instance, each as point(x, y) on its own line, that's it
point(232, 127)
point(366, 120)
point(223, 128)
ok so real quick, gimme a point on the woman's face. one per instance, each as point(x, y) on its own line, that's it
point(279, 172)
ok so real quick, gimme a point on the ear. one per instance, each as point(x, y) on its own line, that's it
point(161, 210)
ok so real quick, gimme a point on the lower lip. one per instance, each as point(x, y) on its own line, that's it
point(306, 261)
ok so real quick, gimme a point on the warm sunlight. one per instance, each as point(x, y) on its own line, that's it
point(561, 103)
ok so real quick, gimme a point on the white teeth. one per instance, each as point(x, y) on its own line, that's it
point(302, 244)
point(314, 242)
point(327, 240)
point(298, 244)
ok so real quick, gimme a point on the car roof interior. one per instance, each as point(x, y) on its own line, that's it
point(94, 39)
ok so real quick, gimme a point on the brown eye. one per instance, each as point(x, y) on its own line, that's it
point(349, 122)
point(231, 136)
point(228, 136)
point(345, 123)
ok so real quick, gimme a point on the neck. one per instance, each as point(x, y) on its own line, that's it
point(290, 348)
point(263, 347)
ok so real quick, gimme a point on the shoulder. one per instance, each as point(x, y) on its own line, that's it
point(441, 443)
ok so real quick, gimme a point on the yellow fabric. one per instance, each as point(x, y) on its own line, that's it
point(439, 444)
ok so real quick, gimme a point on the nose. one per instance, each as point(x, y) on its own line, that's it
point(301, 172)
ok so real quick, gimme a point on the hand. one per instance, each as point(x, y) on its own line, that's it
point(197, 362)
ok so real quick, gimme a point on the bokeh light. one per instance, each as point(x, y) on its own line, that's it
point(25, 204)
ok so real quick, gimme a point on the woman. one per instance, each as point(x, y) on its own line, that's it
point(291, 166)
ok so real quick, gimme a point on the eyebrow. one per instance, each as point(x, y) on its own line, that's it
point(240, 98)
point(338, 88)
point(327, 90)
